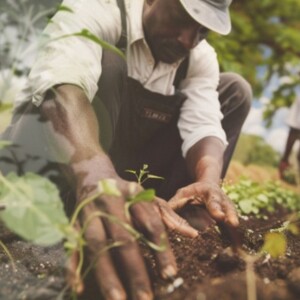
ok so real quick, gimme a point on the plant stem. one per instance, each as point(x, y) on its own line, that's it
point(99, 253)
point(81, 206)
point(7, 252)
point(250, 277)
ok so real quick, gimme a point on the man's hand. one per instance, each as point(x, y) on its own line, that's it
point(74, 134)
point(283, 166)
point(212, 196)
point(126, 260)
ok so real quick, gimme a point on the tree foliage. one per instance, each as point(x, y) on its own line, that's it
point(253, 149)
point(264, 43)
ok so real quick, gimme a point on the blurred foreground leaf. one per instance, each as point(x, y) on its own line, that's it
point(33, 208)
point(275, 244)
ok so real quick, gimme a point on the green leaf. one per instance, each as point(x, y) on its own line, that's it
point(87, 34)
point(275, 244)
point(109, 187)
point(65, 8)
point(262, 198)
point(248, 206)
point(33, 208)
point(293, 228)
point(4, 144)
point(233, 196)
point(131, 171)
point(151, 176)
point(146, 196)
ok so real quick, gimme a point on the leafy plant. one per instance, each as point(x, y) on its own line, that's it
point(33, 208)
point(147, 195)
point(254, 198)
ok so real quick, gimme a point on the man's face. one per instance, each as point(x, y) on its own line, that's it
point(169, 30)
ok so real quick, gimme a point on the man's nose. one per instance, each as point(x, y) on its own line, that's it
point(188, 38)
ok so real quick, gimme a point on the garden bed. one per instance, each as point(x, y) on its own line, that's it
point(207, 267)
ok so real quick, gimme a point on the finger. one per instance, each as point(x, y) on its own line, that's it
point(100, 258)
point(130, 260)
point(214, 207)
point(74, 279)
point(151, 224)
point(174, 221)
point(182, 197)
point(231, 217)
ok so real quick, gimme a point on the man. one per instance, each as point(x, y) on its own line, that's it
point(293, 121)
point(160, 107)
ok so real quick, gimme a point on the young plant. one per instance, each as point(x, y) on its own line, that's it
point(254, 198)
point(147, 195)
point(275, 245)
point(143, 174)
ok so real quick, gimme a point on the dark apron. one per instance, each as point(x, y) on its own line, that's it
point(147, 132)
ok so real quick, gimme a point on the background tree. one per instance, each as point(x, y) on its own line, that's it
point(264, 43)
point(253, 149)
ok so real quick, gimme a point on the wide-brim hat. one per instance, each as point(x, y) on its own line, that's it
point(213, 14)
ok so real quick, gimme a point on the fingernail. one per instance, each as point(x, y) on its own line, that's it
point(142, 295)
point(115, 294)
point(169, 272)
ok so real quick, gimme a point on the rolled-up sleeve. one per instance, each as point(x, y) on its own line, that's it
point(68, 59)
point(200, 115)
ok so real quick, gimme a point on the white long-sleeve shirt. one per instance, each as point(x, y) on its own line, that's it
point(77, 60)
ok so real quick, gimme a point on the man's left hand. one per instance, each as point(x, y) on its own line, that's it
point(212, 196)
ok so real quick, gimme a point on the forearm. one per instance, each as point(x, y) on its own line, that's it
point(205, 160)
point(73, 128)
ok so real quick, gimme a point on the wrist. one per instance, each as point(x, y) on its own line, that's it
point(214, 183)
point(93, 169)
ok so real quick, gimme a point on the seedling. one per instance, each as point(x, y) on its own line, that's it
point(275, 245)
point(143, 174)
point(255, 198)
point(145, 195)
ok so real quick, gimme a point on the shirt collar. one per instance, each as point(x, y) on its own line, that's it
point(135, 26)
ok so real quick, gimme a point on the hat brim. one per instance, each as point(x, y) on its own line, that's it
point(210, 17)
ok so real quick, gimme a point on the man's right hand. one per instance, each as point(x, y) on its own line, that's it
point(126, 263)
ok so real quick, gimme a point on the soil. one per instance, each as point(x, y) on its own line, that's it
point(208, 268)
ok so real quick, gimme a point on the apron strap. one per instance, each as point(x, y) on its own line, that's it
point(181, 72)
point(122, 43)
